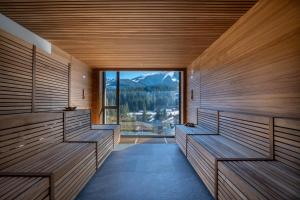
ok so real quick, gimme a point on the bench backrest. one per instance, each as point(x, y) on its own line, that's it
point(15, 75)
point(287, 141)
point(77, 122)
point(24, 135)
point(252, 131)
point(208, 119)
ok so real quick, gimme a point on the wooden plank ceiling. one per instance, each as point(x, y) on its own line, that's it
point(134, 34)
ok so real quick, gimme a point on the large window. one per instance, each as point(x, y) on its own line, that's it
point(111, 97)
point(143, 102)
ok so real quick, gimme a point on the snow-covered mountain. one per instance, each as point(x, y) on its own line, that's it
point(169, 79)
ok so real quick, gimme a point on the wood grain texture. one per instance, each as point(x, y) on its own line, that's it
point(252, 131)
point(241, 137)
point(78, 130)
point(287, 141)
point(193, 100)
point(51, 82)
point(206, 125)
point(254, 66)
point(129, 33)
point(205, 151)
point(68, 165)
point(25, 188)
point(81, 79)
point(96, 97)
point(24, 135)
point(32, 80)
point(78, 123)
point(257, 180)
point(31, 144)
point(15, 75)
point(116, 128)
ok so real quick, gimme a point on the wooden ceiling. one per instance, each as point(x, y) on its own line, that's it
point(149, 34)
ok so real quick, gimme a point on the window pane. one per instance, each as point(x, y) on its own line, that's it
point(110, 116)
point(149, 102)
point(110, 88)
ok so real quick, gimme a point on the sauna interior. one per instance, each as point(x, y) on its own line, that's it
point(150, 100)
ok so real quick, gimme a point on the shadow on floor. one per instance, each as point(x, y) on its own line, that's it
point(145, 172)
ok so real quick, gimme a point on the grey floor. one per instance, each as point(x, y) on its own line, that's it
point(145, 172)
point(145, 140)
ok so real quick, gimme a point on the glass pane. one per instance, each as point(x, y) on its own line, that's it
point(149, 102)
point(110, 88)
point(110, 116)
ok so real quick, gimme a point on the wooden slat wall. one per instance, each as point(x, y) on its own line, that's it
point(251, 131)
point(81, 79)
point(15, 75)
point(52, 79)
point(254, 66)
point(34, 81)
point(287, 141)
point(24, 135)
point(208, 119)
point(193, 100)
point(77, 123)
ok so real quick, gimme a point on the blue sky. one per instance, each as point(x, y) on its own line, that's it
point(128, 74)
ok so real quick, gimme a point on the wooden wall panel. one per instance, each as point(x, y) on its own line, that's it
point(52, 79)
point(287, 141)
point(254, 66)
point(32, 80)
point(24, 135)
point(193, 79)
point(15, 75)
point(81, 79)
point(96, 97)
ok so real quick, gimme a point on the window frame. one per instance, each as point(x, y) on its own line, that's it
point(117, 106)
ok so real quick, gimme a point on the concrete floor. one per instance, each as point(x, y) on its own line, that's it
point(147, 140)
point(145, 172)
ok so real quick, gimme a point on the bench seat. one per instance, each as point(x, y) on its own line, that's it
point(69, 166)
point(257, 180)
point(116, 128)
point(207, 123)
point(25, 188)
point(78, 129)
point(204, 152)
point(103, 141)
point(182, 131)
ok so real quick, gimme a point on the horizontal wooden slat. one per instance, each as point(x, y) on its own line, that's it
point(129, 33)
point(252, 131)
point(15, 74)
point(258, 180)
point(24, 135)
point(26, 188)
point(52, 79)
point(287, 141)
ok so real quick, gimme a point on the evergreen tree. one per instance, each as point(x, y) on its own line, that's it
point(144, 112)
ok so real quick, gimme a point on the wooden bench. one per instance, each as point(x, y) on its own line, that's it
point(241, 137)
point(207, 123)
point(25, 188)
point(116, 128)
point(78, 130)
point(278, 179)
point(32, 145)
